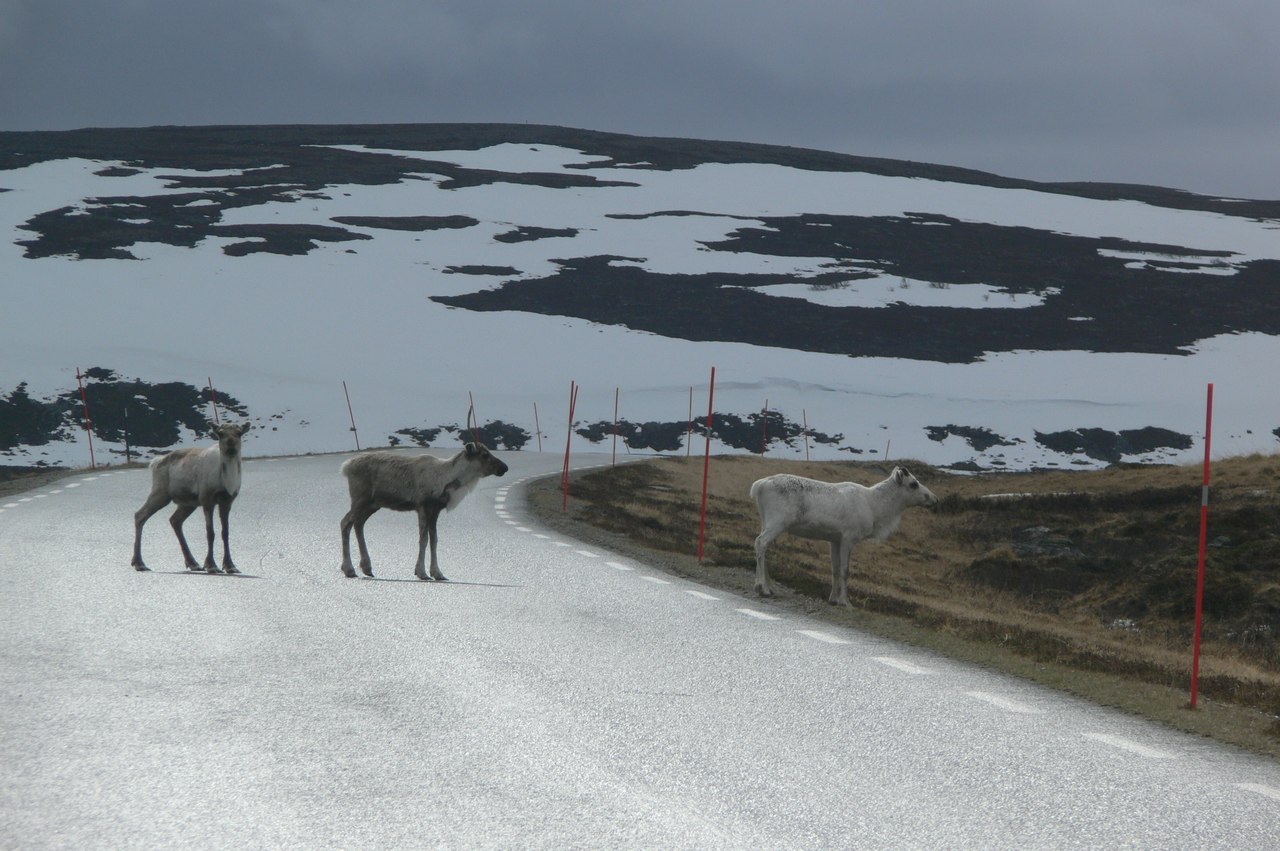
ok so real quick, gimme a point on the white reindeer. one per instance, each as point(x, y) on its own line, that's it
point(420, 483)
point(842, 513)
point(195, 478)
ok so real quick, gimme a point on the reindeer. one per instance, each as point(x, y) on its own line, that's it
point(195, 478)
point(842, 514)
point(421, 483)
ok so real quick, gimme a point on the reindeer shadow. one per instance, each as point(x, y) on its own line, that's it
point(416, 581)
point(203, 573)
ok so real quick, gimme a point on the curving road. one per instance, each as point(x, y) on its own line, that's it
point(550, 696)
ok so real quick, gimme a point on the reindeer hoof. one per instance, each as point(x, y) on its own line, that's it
point(230, 569)
point(140, 567)
point(348, 571)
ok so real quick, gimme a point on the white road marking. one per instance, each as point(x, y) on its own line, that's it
point(1130, 746)
point(655, 580)
point(587, 553)
point(523, 529)
point(825, 637)
point(73, 485)
point(618, 566)
point(59, 490)
point(1003, 702)
point(763, 616)
point(542, 536)
point(900, 664)
point(561, 544)
point(25, 499)
point(11, 505)
point(41, 495)
point(701, 595)
point(1269, 791)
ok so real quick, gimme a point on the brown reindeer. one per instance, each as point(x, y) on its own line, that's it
point(420, 483)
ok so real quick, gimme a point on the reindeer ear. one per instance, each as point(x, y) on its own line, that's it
point(215, 431)
point(244, 427)
point(471, 449)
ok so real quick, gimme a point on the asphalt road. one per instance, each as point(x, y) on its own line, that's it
point(550, 696)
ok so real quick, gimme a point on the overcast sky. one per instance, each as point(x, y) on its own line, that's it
point(1170, 92)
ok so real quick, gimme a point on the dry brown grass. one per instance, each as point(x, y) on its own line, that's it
point(1086, 582)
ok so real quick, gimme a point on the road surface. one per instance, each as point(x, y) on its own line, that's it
point(551, 695)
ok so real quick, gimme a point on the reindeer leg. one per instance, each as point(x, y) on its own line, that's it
point(178, 517)
point(154, 503)
point(366, 566)
point(210, 566)
point(763, 540)
point(224, 511)
point(420, 568)
point(432, 519)
point(348, 520)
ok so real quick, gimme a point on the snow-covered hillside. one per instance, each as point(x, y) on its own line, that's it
point(504, 271)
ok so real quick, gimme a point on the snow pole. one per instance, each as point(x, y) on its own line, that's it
point(617, 391)
point(537, 426)
point(351, 414)
point(213, 400)
point(568, 442)
point(706, 466)
point(764, 429)
point(88, 427)
point(805, 415)
point(1204, 534)
point(688, 437)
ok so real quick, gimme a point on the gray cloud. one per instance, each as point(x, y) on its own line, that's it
point(1172, 92)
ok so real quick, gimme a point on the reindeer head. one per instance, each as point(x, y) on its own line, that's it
point(917, 494)
point(489, 463)
point(229, 437)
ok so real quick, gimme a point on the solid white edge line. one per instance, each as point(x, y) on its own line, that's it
point(1130, 746)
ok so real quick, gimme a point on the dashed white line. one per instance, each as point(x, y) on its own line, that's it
point(758, 615)
point(1130, 746)
point(701, 595)
point(655, 580)
point(73, 484)
point(541, 536)
point(1003, 702)
point(1259, 789)
point(587, 553)
point(900, 664)
point(523, 529)
point(825, 637)
point(618, 565)
point(561, 544)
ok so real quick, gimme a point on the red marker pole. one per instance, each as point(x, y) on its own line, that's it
point(617, 391)
point(764, 429)
point(352, 415)
point(564, 478)
point(688, 437)
point(88, 427)
point(1204, 534)
point(213, 400)
point(706, 466)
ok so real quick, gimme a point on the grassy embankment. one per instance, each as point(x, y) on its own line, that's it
point(1084, 581)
